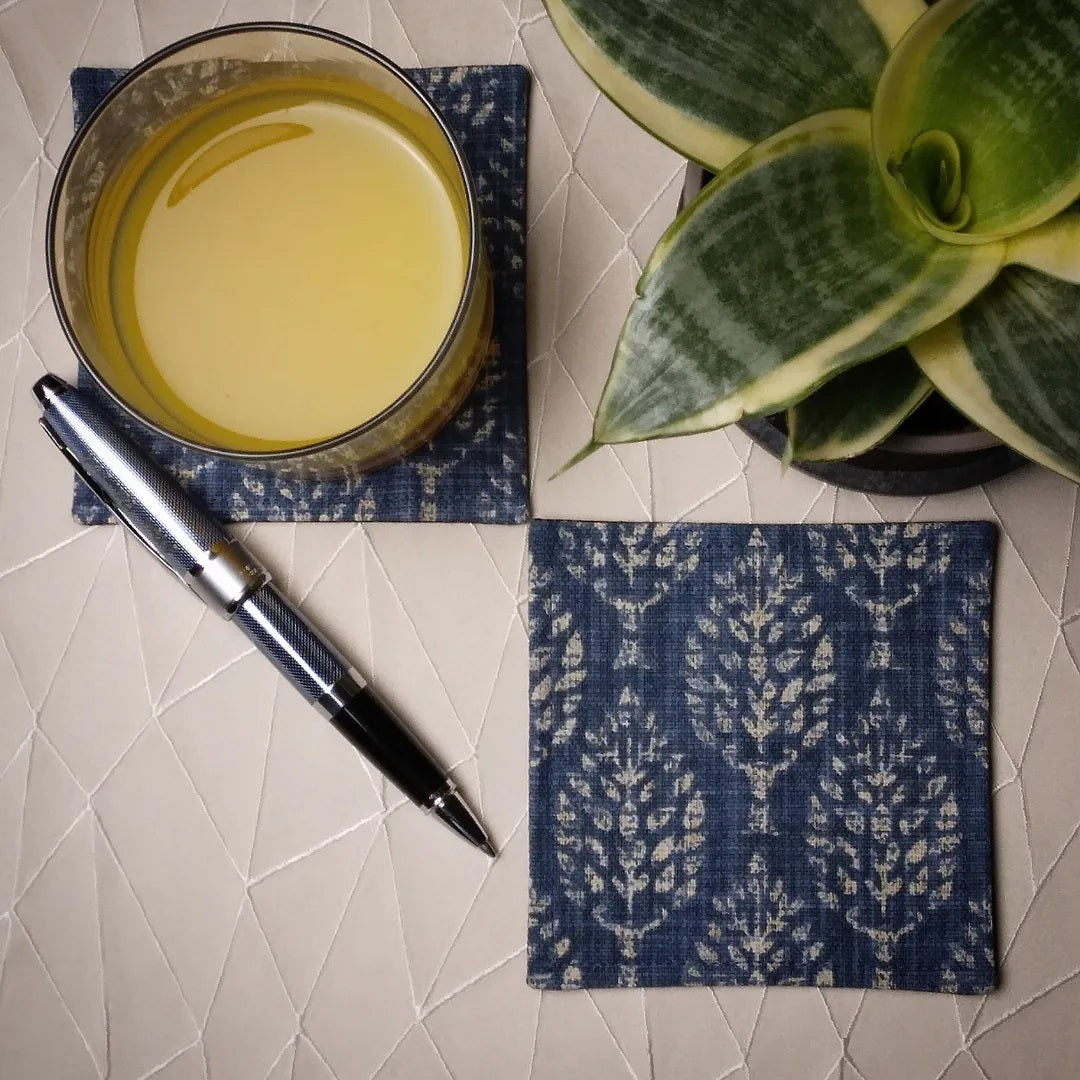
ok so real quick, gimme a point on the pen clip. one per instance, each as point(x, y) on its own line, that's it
point(121, 515)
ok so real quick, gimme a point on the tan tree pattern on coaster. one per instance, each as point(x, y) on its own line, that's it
point(756, 929)
point(883, 827)
point(556, 670)
point(961, 687)
point(973, 951)
point(825, 818)
point(545, 935)
point(897, 567)
point(629, 830)
point(648, 560)
point(760, 672)
point(474, 427)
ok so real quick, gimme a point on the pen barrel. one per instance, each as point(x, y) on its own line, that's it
point(300, 652)
point(187, 540)
point(315, 668)
point(159, 513)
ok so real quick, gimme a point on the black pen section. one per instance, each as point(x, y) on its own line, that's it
point(389, 747)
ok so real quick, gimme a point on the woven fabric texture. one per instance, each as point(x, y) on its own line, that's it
point(759, 754)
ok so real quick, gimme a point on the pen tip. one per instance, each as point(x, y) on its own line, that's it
point(488, 848)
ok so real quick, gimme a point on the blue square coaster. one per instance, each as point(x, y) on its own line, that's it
point(759, 755)
point(476, 468)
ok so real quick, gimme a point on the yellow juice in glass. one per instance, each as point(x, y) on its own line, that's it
point(277, 268)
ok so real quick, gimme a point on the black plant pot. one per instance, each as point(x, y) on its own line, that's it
point(931, 454)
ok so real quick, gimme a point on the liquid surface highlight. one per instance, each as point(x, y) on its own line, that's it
point(285, 269)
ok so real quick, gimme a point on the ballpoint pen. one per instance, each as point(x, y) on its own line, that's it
point(217, 568)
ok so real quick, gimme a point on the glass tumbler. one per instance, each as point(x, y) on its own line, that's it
point(185, 79)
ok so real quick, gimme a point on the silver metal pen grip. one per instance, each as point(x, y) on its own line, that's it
point(286, 638)
point(174, 528)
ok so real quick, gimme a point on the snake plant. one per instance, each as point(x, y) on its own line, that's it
point(892, 212)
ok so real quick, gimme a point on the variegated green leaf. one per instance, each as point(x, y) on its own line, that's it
point(1053, 248)
point(793, 264)
point(977, 116)
point(1010, 361)
point(855, 411)
point(710, 77)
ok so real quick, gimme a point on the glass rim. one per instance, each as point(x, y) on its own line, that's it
point(469, 286)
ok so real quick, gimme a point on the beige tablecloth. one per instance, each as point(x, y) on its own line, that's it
point(196, 880)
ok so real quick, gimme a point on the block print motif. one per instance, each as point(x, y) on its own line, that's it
point(556, 668)
point(628, 830)
point(883, 832)
point(881, 571)
point(758, 933)
point(549, 947)
point(645, 562)
point(760, 672)
point(963, 688)
point(759, 756)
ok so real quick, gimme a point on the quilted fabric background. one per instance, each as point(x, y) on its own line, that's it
point(182, 896)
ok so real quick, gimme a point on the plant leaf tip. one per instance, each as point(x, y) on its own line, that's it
point(587, 450)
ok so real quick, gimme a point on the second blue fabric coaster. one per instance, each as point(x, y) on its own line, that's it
point(475, 469)
point(760, 755)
